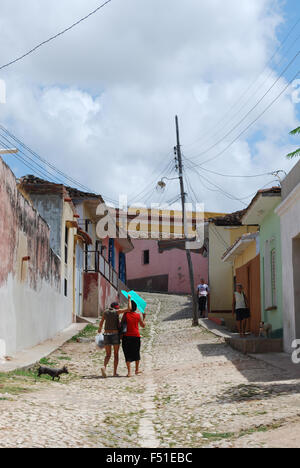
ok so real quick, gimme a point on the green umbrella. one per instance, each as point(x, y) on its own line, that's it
point(141, 304)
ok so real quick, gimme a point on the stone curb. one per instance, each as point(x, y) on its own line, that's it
point(29, 357)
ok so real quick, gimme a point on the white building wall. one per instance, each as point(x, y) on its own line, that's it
point(29, 317)
point(33, 307)
point(289, 212)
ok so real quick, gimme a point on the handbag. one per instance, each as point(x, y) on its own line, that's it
point(123, 326)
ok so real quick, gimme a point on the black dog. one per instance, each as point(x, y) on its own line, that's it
point(54, 373)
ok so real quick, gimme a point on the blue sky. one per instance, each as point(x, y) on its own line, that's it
point(102, 99)
point(291, 11)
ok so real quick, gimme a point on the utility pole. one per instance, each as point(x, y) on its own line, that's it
point(184, 219)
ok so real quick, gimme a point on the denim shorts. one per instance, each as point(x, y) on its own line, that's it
point(112, 340)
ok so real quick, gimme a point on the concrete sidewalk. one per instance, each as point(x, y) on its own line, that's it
point(218, 330)
point(281, 361)
point(30, 356)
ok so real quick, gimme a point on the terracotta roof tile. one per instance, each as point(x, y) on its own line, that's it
point(268, 191)
point(232, 219)
point(74, 193)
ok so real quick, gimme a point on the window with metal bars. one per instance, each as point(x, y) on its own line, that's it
point(273, 277)
point(66, 245)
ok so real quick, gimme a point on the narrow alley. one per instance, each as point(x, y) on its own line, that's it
point(195, 392)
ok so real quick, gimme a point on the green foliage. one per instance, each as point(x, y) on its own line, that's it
point(294, 154)
point(88, 332)
point(47, 362)
point(217, 436)
point(297, 152)
point(295, 132)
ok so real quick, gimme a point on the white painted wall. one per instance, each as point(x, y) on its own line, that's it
point(289, 212)
point(29, 317)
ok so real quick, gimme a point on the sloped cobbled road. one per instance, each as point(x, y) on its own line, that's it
point(195, 392)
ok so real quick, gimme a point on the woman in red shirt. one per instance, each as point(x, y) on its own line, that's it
point(131, 342)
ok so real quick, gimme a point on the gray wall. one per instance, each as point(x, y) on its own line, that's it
point(50, 207)
point(291, 181)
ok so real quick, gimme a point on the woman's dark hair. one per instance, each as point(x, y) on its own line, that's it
point(133, 306)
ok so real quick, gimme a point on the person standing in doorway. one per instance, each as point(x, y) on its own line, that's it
point(203, 293)
point(240, 309)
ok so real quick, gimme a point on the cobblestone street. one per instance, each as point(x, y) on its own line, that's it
point(195, 392)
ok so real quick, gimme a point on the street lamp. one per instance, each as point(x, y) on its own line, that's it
point(9, 151)
point(161, 185)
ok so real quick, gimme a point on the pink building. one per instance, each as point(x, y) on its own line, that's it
point(150, 270)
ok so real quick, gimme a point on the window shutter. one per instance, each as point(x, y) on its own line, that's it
point(273, 278)
point(268, 280)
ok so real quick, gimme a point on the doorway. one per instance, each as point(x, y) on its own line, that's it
point(296, 274)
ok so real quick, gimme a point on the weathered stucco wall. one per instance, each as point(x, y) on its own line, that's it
point(50, 208)
point(98, 294)
point(32, 307)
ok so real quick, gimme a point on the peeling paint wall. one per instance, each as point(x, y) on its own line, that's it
point(98, 294)
point(32, 306)
point(50, 208)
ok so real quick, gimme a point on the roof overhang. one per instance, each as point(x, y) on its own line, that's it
point(239, 247)
point(181, 244)
point(262, 204)
point(125, 244)
point(84, 237)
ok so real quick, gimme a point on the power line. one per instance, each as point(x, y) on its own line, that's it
point(163, 195)
point(227, 194)
point(55, 36)
point(219, 189)
point(26, 163)
point(219, 236)
point(150, 187)
point(174, 200)
point(250, 111)
point(58, 176)
point(248, 100)
point(252, 123)
point(253, 83)
point(191, 189)
point(229, 175)
point(38, 168)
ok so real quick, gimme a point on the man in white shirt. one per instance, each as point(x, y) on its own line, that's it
point(203, 293)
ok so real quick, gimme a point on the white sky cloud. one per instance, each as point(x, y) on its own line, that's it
point(100, 101)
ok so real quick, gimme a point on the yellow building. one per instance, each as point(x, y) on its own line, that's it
point(224, 231)
point(244, 258)
point(147, 223)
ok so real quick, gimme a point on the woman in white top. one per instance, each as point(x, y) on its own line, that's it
point(240, 309)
